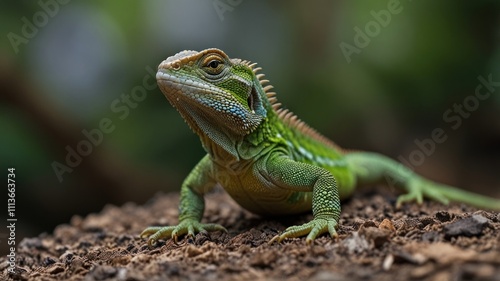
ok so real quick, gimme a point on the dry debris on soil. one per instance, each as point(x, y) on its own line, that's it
point(376, 242)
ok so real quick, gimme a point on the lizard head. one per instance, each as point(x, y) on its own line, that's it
point(219, 97)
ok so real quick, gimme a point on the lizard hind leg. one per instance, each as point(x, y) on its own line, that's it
point(371, 168)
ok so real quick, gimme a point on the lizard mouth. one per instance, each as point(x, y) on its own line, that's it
point(208, 100)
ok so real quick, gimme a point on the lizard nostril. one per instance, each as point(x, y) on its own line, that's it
point(176, 66)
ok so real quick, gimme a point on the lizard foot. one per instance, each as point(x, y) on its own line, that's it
point(417, 189)
point(313, 228)
point(189, 227)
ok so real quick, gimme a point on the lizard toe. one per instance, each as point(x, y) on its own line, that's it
point(189, 227)
point(417, 190)
point(312, 229)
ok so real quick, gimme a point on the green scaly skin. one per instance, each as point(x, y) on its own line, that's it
point(268, 161)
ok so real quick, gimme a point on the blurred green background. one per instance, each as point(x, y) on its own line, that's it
point(66, 67)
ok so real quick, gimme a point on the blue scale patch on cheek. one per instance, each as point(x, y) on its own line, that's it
point(236, 111)
point(222, 106)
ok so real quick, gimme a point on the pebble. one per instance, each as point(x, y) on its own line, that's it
point(471, 226)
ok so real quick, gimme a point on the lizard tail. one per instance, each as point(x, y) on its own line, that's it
point(372, 168)
point(467, 197)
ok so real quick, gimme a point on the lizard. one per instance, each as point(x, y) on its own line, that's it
point(269, 161)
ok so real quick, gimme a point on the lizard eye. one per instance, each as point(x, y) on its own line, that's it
point(213, 65)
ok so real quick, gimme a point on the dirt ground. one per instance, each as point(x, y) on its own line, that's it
point(376, 242)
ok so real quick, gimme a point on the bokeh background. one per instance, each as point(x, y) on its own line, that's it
point(65, 66)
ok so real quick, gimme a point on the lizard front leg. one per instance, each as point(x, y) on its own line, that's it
point(297, 176)
point(192, 206)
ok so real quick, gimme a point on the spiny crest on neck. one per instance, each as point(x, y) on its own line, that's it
point(286, 116)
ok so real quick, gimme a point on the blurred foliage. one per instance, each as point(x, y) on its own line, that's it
point(84, 55)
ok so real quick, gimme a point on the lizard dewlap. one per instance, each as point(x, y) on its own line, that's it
point(267, 160)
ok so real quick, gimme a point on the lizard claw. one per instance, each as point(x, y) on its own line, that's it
point(313, 228)
point(189, 227)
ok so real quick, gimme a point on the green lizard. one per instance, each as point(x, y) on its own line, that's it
point(270, 162)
